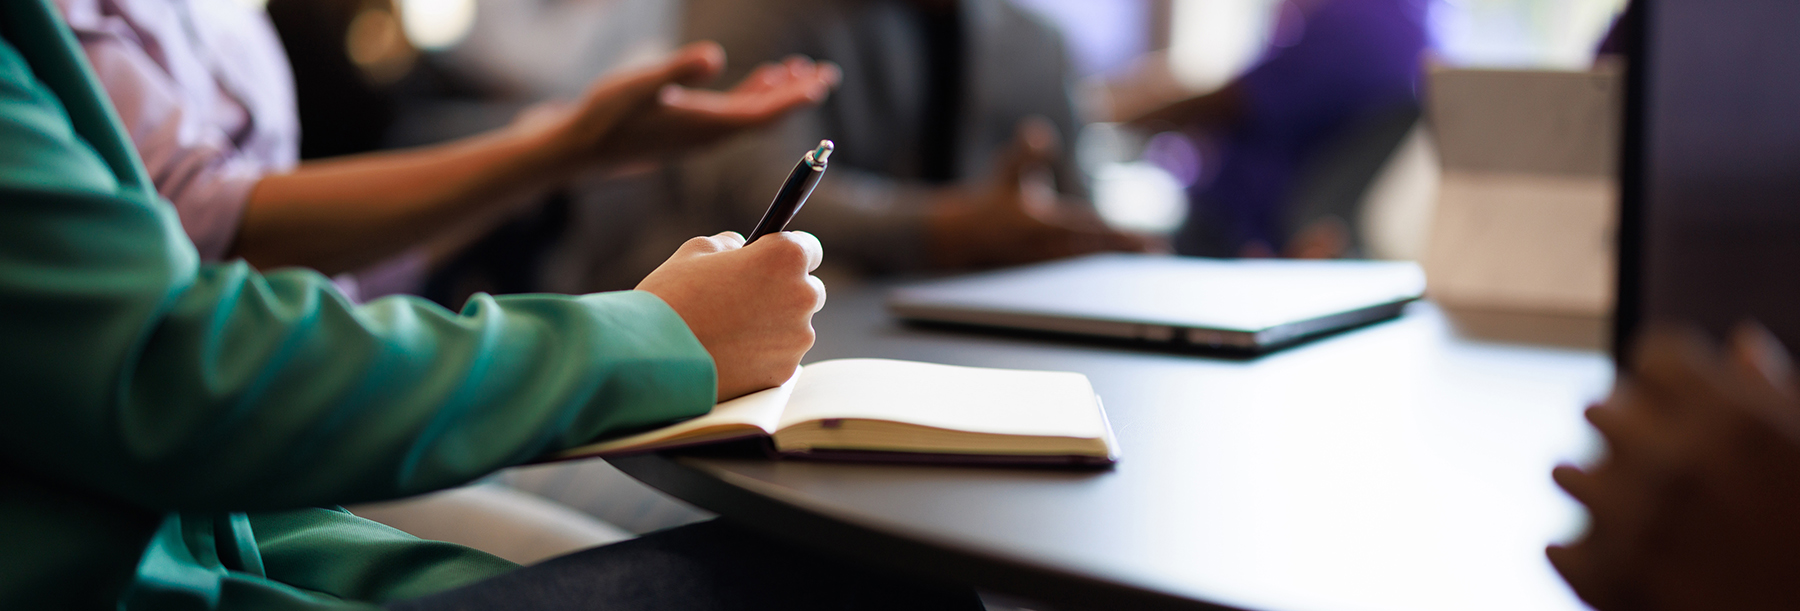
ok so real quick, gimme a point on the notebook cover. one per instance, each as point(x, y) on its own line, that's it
point(937, 458)
point(940, 458)
point(763, 445)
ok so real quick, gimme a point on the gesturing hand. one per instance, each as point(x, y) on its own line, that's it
point(1697, 502)
point(647, 112)
point(1016, 216)
point(750, 306)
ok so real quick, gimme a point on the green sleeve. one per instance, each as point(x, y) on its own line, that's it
point(130, 371)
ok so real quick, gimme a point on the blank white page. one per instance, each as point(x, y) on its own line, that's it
point(1000, 401)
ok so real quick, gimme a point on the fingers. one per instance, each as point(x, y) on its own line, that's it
point(1576, 565)
point(1763, 374)
point(731, 239)
point(766, 77)
point(818, 287)
point(1619, 514)
point(1038, 137)
point(790, 249)
point(771, 75)
point(817, 77)
point(815, 252)
point(690, 64)
point(1754, 350)
point(1018, 183)
point(706, 245)
point(767, 93)
point(802, 249)
point(1677, 368)
point(1619, 421)
point(1035, 143)
point(794, 248)
point(1576, 482)
point(831, 74)
point(1326, 238)
point(695, 63)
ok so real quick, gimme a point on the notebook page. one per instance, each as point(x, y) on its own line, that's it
point(999, 401)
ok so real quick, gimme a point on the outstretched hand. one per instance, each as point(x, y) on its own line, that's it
point(1017, 216)
point(1697, 503)
point(750, 306)
point(651, 112)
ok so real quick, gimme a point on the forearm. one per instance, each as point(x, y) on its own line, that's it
point(1220, 107)
point(344, 214)
point(218, 388)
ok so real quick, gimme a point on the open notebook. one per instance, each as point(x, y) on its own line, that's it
point(886, 410)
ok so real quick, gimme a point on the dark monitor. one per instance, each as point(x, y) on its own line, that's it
point(1710, 221)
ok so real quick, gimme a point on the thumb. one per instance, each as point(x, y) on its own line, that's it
point(692, 63)
point(1035, 143)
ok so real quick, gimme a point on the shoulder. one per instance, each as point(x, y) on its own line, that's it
point(1014, 20)
point(1023, 31)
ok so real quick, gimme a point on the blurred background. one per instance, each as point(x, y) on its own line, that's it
point(1453, 174)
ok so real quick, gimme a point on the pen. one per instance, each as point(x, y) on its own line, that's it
point(794, 192)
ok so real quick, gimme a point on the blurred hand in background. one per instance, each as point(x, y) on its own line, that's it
point(1016, 215)
point(650, 112)
point(1697, 503)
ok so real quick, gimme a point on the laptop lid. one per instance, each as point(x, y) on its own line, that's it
point(1244, 304)
point(1710, 168)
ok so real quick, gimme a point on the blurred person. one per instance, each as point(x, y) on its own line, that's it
point(206, 93)
point(1694, 504)
point(1334, 69)
point(177, 433)
point(948, 123)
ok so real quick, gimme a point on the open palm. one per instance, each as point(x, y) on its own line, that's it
point(654, 111)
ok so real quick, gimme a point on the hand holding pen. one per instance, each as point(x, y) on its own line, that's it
point(738, 298)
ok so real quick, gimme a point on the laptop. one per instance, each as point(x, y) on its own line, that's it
point(1710, 175)
point(1251, 305)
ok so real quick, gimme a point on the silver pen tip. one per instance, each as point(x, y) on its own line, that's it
point(822, 154)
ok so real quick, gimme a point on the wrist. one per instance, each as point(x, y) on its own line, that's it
point(545, 146)
point(947, 230)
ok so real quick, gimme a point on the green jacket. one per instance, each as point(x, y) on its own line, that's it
point(165, 426)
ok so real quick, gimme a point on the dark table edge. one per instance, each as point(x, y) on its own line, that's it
point(894, 551)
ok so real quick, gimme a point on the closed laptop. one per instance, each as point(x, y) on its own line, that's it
point(1236, 304)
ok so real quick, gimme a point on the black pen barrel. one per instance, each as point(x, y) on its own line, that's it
point(788, 200)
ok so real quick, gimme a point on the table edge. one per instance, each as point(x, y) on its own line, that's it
point(688, 479)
